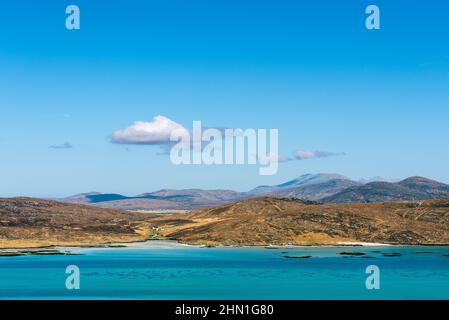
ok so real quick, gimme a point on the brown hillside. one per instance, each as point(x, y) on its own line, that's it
point(265, 221)
point(28, 222)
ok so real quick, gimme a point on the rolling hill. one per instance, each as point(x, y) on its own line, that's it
point(414, 188)
point(29, 222)
point(275, 221)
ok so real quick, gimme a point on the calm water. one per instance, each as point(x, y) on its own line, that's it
point(229, 273)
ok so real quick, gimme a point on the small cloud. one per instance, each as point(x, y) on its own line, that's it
point(66, 145)
point(274, 158)
point(156, 132)
point(305, 155)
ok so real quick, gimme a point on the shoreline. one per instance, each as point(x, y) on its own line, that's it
point(173, 244)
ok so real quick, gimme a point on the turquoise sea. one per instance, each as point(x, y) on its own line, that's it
point(167, 271)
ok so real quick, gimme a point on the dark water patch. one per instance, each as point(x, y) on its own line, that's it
point(297, 257)
point(393, 254)
point(352, 253)
point(49, 253)
point(38, 252)
point(45, 252)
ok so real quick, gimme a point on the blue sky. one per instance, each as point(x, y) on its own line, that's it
point(309, 68)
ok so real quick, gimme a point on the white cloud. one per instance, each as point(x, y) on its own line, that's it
point(66, 145)
point(273, 158)
point(156, 132)
point(305, 155)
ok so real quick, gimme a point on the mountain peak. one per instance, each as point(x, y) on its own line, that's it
point(418, 179)
point(410, 189)
point(425, 185)
point(308, 179)
point(377, 179)
point(308, 186)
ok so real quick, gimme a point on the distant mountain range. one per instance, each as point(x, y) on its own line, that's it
point(307, 187)
point(332, 188)
point(414, 188)
point(166, 199)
